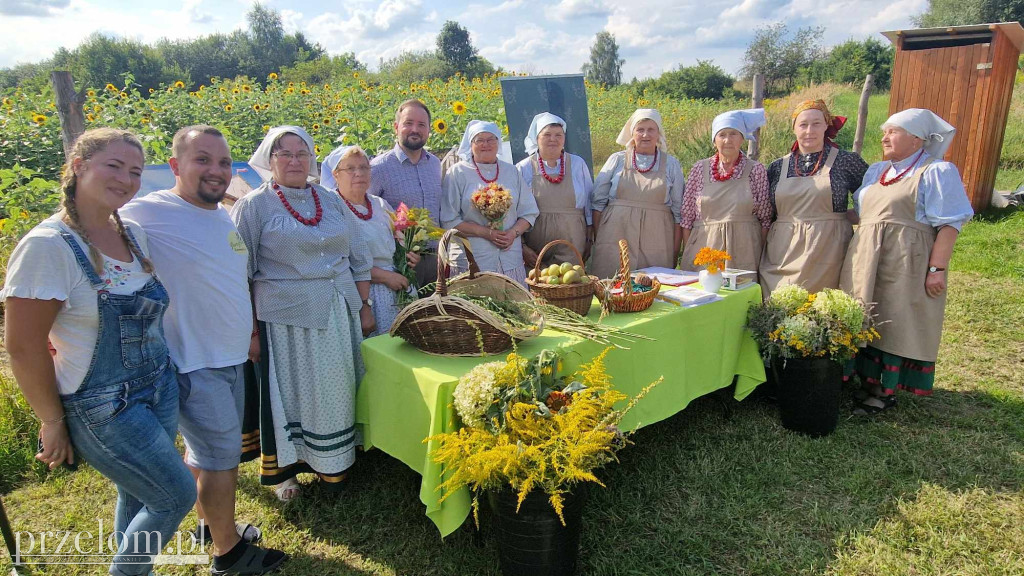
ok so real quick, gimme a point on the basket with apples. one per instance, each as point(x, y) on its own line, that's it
point(562, 284)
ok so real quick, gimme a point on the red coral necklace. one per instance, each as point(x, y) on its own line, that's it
point(316, 202)
point(649, 168)
point(716, 161)
point(561, 169)
point(497, 170)
point(898, 177)
point(361, 216)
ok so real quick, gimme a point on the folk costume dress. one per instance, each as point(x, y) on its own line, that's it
point(726, 215)
point(562, 193)
point(564, 205)
point(807, 242)
point(639, 196)
point(887, 264)
point(459, 184)
point(308, 307)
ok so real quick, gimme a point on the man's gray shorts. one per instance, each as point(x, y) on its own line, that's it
point(210, 403)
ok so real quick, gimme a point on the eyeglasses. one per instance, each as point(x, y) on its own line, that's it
point(288, 156)
point(356, 170)
point(485, 141)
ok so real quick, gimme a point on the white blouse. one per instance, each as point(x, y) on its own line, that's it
point(941, 197)
point(607, 181)
point(582, 181)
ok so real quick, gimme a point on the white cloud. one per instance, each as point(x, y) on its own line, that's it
point(567, 10)
point(32, 7)
point(539, 49)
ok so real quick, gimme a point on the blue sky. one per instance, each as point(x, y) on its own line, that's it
point(550, 37)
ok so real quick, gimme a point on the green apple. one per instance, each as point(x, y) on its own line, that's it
point(565, 267)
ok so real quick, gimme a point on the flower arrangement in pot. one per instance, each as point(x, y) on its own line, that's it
point(711, 278)
point(532, 438)
point(807, 338)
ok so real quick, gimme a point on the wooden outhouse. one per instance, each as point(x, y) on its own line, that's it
point(964, 74)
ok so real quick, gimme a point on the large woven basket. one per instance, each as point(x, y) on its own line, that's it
point(575, 297)
point(627, 301)
point(446, 325)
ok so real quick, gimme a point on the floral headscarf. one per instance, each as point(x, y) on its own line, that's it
point(834, 123)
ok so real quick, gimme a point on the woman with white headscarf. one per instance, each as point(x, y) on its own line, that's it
point(310, 273)
point(561, 183)
point(495, 250)
point(726, 205)
point(346, 170)
point(636, 197)
point(911, 208)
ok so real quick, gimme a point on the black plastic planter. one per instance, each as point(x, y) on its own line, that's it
point(534, 542)
point(809, 392)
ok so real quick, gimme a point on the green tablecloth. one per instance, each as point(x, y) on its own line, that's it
point(406, 394)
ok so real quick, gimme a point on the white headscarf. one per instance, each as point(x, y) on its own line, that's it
point(540, 122)
point(472, 129)
point(329, 164)
point(745, 121)
point(926, 125)
point(260, 160)
point(626, 134)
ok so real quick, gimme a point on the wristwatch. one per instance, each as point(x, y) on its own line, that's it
point(934, 269)
point(368, 302)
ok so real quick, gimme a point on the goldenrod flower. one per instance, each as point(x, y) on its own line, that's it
point(272, 76)
point(179, 84)
point(39, 119)
point(458, 108)
point(228, 108)
point(440, 126)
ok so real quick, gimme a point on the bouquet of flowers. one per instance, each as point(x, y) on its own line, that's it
point(493, 201)
point(793, 323)
point(528, 427)
point(413, 228)
point(713, 260)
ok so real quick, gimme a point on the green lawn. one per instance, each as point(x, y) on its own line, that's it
point(931, 488)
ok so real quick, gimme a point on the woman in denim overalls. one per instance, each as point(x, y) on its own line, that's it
point(113, 403)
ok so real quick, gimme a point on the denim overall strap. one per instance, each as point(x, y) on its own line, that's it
point(80, 256)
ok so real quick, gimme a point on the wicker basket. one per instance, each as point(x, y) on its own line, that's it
point(446, 325)
point(627, 301)
point(575, 297)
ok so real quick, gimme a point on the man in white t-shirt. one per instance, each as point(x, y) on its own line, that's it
point(202, 262)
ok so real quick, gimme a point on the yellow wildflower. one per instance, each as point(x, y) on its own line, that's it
point(229, 108)
point(272, 76)
point(39, 119)
point(112, 88)
point(179, 84)
point(458, 108)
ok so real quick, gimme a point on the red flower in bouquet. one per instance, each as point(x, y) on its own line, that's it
point(493, 201)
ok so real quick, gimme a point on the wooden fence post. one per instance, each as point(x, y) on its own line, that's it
point(862, 113)
point(757, 101)
point(69, 108)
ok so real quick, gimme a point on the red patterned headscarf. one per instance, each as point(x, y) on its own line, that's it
point(834, 123)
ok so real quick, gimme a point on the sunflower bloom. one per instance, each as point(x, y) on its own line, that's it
point(39, 119)
point(458, 108)
point(228, 108)
point(90, 94)
point(112, 88)
point(256, 107)
point(272, 76)
point(179, 84)
point(440, 126)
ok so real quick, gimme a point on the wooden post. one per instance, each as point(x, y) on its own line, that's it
point(862, 113)
point(757, 101)
point(69, 108)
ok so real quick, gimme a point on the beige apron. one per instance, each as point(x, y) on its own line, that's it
point(807, 243)
point(887, 264)
point(639, 215)
point(727, 221)
point(559, 217)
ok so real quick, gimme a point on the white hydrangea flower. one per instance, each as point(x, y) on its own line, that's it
point(475, 393)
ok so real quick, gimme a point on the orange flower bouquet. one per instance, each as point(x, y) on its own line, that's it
point(493, 201)
point(713, 260)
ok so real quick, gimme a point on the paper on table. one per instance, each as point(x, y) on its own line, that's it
point(670, 276)
point(689, 295)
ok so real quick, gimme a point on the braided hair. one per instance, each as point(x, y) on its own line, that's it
point(88, 144)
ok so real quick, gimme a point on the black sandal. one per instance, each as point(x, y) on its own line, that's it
point(254, 560)
point(866, 409)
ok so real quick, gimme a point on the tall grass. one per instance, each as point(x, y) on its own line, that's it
point(18, 433)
